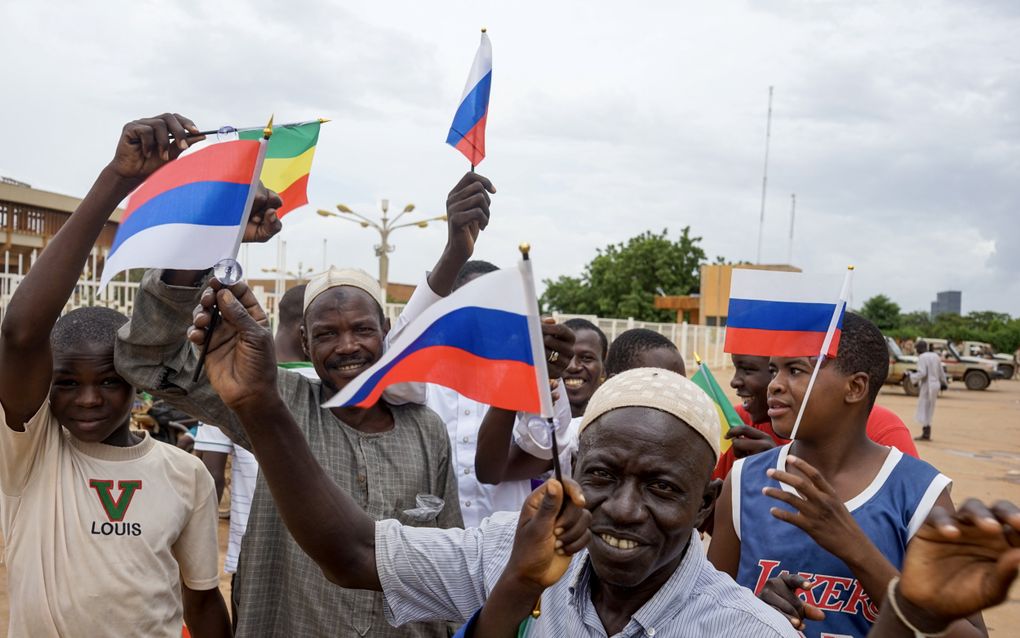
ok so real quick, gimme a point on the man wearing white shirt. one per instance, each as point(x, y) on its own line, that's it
point(463, 418)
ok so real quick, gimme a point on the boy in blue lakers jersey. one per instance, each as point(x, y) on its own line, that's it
point(819, 527)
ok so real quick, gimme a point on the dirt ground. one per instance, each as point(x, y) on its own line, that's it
point(977, 444)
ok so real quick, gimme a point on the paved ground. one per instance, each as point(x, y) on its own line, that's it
point(977, 443)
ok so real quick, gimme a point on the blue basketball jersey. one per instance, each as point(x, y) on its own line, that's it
point(890, 510)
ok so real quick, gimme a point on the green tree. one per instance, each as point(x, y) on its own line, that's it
point(883, 311)
point(623, 279)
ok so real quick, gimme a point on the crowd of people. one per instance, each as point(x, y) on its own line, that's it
point(429, 514)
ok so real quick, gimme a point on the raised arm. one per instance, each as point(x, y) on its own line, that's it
point(26, 363)
point(153, 352)
point(467, 213)
point(326, 522)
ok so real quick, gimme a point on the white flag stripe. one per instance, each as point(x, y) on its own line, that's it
point(160, 247)
point(481, 66)
point(775, 285)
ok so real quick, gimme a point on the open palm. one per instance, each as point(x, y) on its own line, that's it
point(959, 564)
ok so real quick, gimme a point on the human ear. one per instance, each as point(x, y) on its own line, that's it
point(386, 326)
point(304, 342)
point(857, 387)
point(712, 490)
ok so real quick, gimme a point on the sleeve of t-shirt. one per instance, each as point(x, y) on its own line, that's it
point(211, 439)
point(197, 548)
point(20, 451)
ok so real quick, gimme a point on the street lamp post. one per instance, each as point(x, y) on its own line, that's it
point(384, 227)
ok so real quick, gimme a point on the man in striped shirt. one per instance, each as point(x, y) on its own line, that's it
point(648, 444)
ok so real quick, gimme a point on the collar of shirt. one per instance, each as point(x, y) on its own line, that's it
point(660, 608)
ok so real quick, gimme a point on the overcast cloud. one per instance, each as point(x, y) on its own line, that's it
point(896, 124)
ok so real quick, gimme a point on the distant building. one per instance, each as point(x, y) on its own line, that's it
point(946, 302)
point(30, 217)
point(710, 306)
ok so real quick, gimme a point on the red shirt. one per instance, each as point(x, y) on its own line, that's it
point(884, 428)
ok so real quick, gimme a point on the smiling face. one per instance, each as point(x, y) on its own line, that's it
point(343, 334)
point(88, 397)
point(645, 476)
point(751, 379)
point(584, 374)
point(790, 377)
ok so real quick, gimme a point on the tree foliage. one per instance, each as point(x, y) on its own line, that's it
point(623, 279)
point(882, 311)
point(996, 328)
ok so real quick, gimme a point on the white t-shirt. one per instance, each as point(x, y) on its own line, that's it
point(97, 538)
point(463, 419)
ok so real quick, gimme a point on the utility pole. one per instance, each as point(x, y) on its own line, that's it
point(765, 176)
point(384, 227)
point(793, 218)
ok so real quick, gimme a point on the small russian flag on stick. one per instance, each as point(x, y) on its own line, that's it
point(784, 314)
point(467, 133)
point(484, 341)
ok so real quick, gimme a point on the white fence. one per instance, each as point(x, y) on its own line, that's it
point(707, 341)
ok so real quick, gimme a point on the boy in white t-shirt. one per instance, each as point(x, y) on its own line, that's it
point(106, 532)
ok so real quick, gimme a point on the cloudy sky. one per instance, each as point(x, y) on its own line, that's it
point(896, 124)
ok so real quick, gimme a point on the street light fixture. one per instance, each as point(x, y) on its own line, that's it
point(384, 227)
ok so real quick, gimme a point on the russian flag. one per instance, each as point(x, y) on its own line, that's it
point(188, 214)
point(467, 133)
point(784, 314)
point(484, 341)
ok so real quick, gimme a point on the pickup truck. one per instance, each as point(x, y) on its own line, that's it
point(983, 350)
point(976, 373)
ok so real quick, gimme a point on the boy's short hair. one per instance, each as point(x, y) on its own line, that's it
point(86, 327)
point(292, 305)
point(625, 348)
point(578, 323)
point(472, 269)
point(862, 348)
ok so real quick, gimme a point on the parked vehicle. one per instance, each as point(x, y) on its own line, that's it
point(900, 367)
point(982, 350)
point(976, 373)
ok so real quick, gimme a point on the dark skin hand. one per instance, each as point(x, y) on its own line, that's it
point(497, 458)
point(748, 441)
point(957, 564)
point(26, 360)
point(467, 214)
point(544, 545)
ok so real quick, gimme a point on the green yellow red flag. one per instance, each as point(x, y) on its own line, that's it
point(288, 161)
point(728, 417)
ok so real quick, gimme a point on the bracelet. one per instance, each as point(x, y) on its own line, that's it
point(891, 597)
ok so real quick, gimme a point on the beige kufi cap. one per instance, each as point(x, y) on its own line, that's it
point(662, 390)
point(342, 277)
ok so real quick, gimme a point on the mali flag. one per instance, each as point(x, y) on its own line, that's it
point(288, 161)
point(728, 417)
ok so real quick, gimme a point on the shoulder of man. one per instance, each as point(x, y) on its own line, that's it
point(743, 613)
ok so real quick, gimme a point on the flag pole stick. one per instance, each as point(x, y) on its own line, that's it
point(525, 249)
point(320, 120)
point(836, 313)
point(214, 320)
